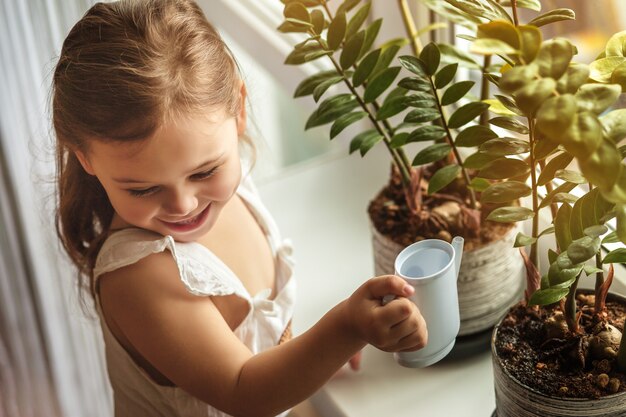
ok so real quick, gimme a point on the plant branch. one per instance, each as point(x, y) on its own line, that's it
point(409, 25)
point(514, 9)
point(455, 150)
point(484, 90)
point(534, 256)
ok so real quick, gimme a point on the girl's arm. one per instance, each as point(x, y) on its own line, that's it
point(186, 338)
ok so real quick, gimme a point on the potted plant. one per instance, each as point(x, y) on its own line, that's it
point(435, 192)
point(560, 351)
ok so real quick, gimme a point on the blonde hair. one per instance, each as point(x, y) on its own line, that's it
point(124, 69)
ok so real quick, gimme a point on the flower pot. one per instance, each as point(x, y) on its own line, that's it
point(515, 399)
point(490, 280)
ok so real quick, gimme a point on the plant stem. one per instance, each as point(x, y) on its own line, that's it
point(409, 25)
point(570, 307)
point(514, 9)
point(484, 90)
point(549, 188)
point(534, 256)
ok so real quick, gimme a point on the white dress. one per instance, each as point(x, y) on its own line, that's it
point(204, 274)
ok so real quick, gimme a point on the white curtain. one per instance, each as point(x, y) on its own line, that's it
point(50, 353)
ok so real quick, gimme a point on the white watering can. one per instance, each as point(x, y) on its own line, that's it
point(431, 266)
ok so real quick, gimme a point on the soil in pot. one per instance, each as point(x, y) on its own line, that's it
point(442, 216)
point(535, 347)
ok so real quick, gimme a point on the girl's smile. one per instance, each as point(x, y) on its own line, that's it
point(175, 182)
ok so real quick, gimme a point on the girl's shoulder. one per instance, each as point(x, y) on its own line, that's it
point(133, 252)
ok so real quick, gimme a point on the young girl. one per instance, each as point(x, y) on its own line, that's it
point(190, 277)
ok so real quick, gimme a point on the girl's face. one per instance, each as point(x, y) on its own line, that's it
point(178, 180)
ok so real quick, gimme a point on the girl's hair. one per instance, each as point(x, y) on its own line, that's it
point(124, 69)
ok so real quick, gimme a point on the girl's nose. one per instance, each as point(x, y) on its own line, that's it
point(180, 202)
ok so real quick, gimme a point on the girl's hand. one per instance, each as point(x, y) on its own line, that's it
point(394, 327)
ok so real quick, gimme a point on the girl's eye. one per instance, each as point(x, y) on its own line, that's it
point(204, 175)
point(144, 192)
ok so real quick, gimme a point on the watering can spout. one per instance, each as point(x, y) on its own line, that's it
point(457, 244)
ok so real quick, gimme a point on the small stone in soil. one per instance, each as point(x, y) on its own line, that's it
point(540, 365)
point(563, 390)
point(613, 385)
point(602, 380)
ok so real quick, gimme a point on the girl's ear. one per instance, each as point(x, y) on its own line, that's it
point(84, 161)
point(241, 117)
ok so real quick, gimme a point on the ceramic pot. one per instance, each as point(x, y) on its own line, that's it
point(514, 399)
point(491, 279)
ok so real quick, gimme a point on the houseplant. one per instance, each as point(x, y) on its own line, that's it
point(560, 351)
point(432, 195)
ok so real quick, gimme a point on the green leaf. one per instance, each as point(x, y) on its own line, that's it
point(508, 104)
point(452, 54)
point(466, 113)
point(603, 167)
point(443, 177)
point(421, 100)
point(544, 148)
point(396, 92)
point(587, 212)
point(552, 255)
point(488, 46)
point(432, 153)
point(505, 146)
point(479, 184)
point(509, 124)
point(344, 121)
point(610, 238)
point(517, 77)
point(456, 92)
point(474, 136)
point(554, 57)
point(563, 188)
point(557, 163)
point(386, 56)
point(502, 31)
point(617, 256)
point(547, 231)
point(570, 176)
point(351, 50)
point(590, 270)
point(597, 97)
point(370, 36)
point(522, 240)
point(495, 106)
point(347, 5)
point(564, 198)
point(574, 77)
point(365, 67)
point(415, 84)
point(291, 26)
point(548, 296)
point(531, 41)
point(426, 133)
point(602, 69)
point(531, 96)
point(365, 141)
point(583, 136)
point(307, 86)
point(421, 116)
point(414, 65)
point(503, 168)
point(478, 160)
point(555, 115)
point(318, 21)
point(430, 56)
point(596, 230)
point(503, 192)
point(445, 75)
point(583, 249)
point(510, 214)
point(331, 109)
point(306, 53)
point(357, 20)
point(391, 108)
point(552, 16)
point(380, 83)
point(319, 91)
point(306, 3)
point(616, 46)
point(399, 139)
point(336, 31)
point(614, 125)
point(297, 11)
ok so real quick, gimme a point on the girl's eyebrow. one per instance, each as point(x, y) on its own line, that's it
point(134, 181)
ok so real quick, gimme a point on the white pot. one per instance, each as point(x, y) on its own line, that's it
point(491, 278)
